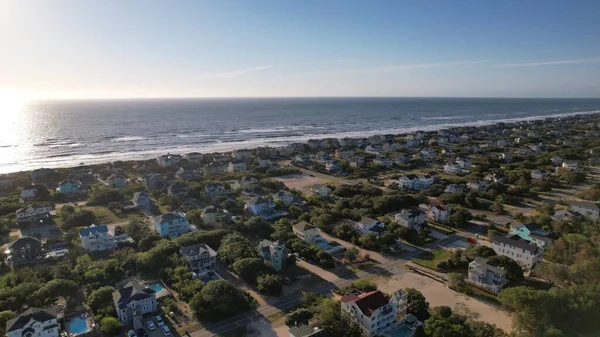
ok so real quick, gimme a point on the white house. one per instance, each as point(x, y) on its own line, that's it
point(524, 253)
point(28, 193)
point(486, 276)
point(307, 232)
point(132, 301)
point(169, 160)
point(33, 212)
point(438, 211)
point(374, 311)
point(410, 218)
point(570, 164)
point(585, 208)
point(171, 225)
point(539, 174)
point(34, 322)
point(284, 196)
point(249, 184)
point(332, 166)
point(464, 163)
point(452, 168)
point(260, 206)
point(96, 238)
point(116, 181)
point(410, 181)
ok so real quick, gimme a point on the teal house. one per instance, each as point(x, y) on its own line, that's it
point(532, 233)
point(69, 187)
point(273, 252)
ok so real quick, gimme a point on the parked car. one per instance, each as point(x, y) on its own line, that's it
point(159, 321)
point(150, 325)
point(142, 333)
point(166, 330)
point(131, 333)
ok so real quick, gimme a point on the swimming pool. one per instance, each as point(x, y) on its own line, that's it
point(404, 331)
point(158, 287)
point(78, 326)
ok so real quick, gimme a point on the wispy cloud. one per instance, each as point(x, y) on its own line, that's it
point(403, 67)
point(236, 73)
point(547, 63)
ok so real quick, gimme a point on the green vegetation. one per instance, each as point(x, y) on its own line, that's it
point(431, 260)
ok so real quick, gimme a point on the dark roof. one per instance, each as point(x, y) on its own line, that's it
point(305, 331)
point(37, 314)
point(367, 302)
point(24, 240)
point(93, 229)
point(411, 176)
point(132, 291)
point(194, 250)
point(515, 241)
point(168, 217)
point(303, 225)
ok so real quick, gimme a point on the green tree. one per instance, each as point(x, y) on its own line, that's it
point(251, 268)
point(101, 299)
point(269, 284)
point(235, 247)
point(417, 304)
point(352, 254)
point(220, 299)
point(514, 272)
point(298, 317)
point(110, 326)
point(4, 317)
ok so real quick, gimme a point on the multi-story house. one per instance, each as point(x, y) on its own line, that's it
point(464, 163)
point(332, 166)
point(155, 181)
point(213, 190)
point(200, 257)
point(69, 187)
point(274, 252)
point(171, 225)
point(142, 200)
point(367, 224)
point(33, 212)
point(212, 215)
point(236, 166)
point(96, 238)
point(412, 182)
point(486, 276)
point(249, 183)
point(242, 154)
point(261, 207)
point(25, 249)
point(284, 196)
point(539, 174)
point(438, 211)
point(532, 233)
point(524, 253)
point(586, 208)
point(169, 160)
point(410, 218)
point(374, 311)
point(479, 185)
point(178, 190)
point(382, 161)
point(452, 168)
point(28, 193)
point(117, 181)
point(132, 301)
point(307, 232)
point(34, 322)
point(189, 175)
point(214, 168)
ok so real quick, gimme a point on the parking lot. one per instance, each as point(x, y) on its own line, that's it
point(157, 332)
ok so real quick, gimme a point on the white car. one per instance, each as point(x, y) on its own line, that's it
point(150, 325)
point(131, 333)
point(159, 321)
point(166, 330)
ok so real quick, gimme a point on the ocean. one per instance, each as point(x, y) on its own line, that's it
point(66, 133)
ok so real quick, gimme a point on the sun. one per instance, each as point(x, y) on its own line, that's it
point(10, 105)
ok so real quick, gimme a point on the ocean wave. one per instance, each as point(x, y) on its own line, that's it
point(441, 118)
point(128, 139)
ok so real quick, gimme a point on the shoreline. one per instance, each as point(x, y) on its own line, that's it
point(224, 147)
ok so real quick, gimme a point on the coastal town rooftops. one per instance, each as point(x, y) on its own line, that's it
point(168, 217)
point(483, 261)
point(132, 291)
point(515, 241)
point(93, 229)
point(34, 206)
point(367, 302)
point(35, 314)
point(24, 240)
point(303, 226)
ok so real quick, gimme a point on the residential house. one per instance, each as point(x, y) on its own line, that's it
point(264, 162)
point(332, 166)
point(438, 211)
point(178, 190)
point(33, 212)
point(188, 175)
point(249, 183)
point(532, 233)
point(132, 301)
point(376, 150)
point(401, 159)
point(426, 180)
point(366, 224)
point(242, 155)
point(117, 181)
point(494, 178)
point(570, 164)
point(344, 154)
point(273, 252)
point(410, 218)
point(463, 163)
point(261, 207)
point(454, 188)
point(169, 160)
point(314, 144)
point(479, 185)
point(563, 215)
point(286, 197)
point(200, 257)
point(41, 174)
point(452, 168)
point(307, 232)
point(214, 168)
point(321, 190)
point(375, 312)
point(524, 253)
point(539, 174)
point(236, 166)
point(96, 238)
point(409, 181)
point(155, 181)
point(348, 142)
point(25, 249)
point(213, 215)
point(28, 193)
point(302, 158)
point(382, 161)
point(357, 162)
point(194, 157)
point(556, 160)
point(171, 225)
point(306, 331)
point(485, 276)
point(427, 154)
point(213, 190)
point(69, 187)
point(323, 156)
point(586, 208)
point(142, 200)
point(34, 322)
point(507, 157)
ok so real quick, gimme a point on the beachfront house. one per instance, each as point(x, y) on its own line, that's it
point(117, 181)
point(213, 215)
point(171, 225)
point(194, 157)
point(236, 166)
point(34, 322)
point(23, 250)
point(586, 208)
point(41, 174)
point(142, 200)
point(169, 160)
point(97, 238)
point(200, 258)
point(376, 313)
point(33, 213)
point(274, 252)
point(28, 193)
point(512, 246)
point(410, 218)
point(485, 276)
point(242, 154)
point(532, 233)
point(286, 197)
point(307, 232)
point(69, 187)
point(132, 301)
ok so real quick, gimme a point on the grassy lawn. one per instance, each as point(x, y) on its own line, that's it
point(430, 260)
point(278, 317)
point(106, 216)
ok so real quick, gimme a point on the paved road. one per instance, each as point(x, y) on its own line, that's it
point(295, 299)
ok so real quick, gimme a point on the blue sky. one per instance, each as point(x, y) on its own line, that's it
point(95, 49)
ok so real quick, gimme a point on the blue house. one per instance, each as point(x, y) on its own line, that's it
point(171, 225)
point(532, 233)
point(273, 252)
point(69, 187)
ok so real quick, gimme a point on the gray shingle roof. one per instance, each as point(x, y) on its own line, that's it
point(132, 291)
point(37, 314)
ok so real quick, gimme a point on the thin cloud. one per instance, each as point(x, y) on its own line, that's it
point(396, 68)
point(547, 63)
point(236, 73)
